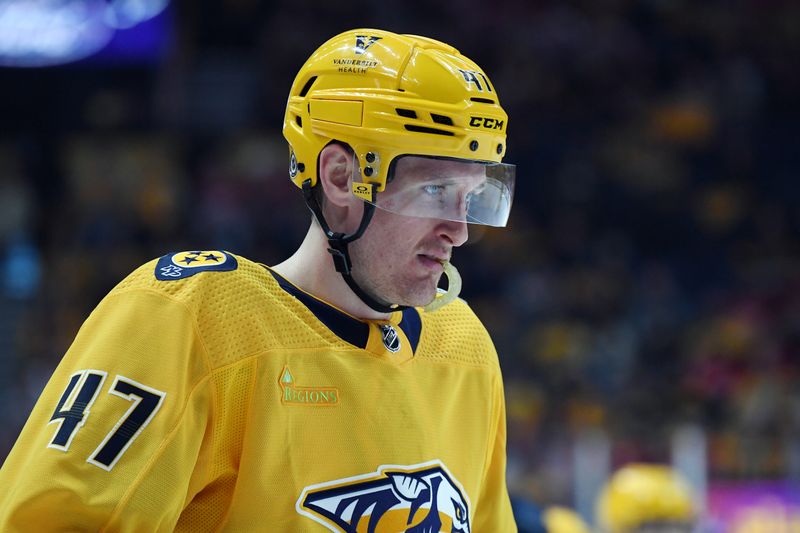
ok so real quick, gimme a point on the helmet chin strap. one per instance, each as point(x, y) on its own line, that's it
point(338, 243)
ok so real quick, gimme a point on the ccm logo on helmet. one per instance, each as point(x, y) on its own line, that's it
point(486, 122)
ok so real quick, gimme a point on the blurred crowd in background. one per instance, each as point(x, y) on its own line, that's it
point(650, 274)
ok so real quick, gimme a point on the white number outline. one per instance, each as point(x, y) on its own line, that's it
point(137, 400)
point(70, 401)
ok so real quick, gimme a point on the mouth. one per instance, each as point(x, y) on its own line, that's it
point(432, 262)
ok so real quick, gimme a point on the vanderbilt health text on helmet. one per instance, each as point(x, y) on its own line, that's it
point(389, 95)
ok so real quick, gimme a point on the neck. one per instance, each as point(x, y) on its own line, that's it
point(311, 269)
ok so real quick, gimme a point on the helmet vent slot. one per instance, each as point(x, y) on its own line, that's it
point(308, 85)
point(408, 113)
point(298, 120)
point(482, 100)
point(442, 119)
point(423, 129)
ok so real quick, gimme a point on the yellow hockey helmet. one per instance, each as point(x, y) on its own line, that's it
point(640, 494)
point(388, 95)
point(563, 520)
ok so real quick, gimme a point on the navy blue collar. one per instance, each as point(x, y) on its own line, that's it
point(350, 329)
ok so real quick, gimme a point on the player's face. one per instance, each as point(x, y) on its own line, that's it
point(399, 258)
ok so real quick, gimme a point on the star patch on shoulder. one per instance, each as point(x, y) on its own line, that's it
point(184, 264)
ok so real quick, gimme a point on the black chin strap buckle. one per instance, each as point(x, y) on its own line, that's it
point(341, 260)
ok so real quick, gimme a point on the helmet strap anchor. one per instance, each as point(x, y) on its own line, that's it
point(338, 248)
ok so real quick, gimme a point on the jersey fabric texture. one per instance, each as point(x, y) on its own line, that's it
point(230, 400)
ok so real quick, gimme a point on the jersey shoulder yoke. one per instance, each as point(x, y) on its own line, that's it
point(454, 333)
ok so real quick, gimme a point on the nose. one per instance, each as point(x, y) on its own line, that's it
point(454, 231)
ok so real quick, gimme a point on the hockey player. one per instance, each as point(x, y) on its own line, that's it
point(646, 498)
point(207, 392)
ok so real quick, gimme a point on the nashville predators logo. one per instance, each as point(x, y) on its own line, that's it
point(365, 41)
point(422, 498)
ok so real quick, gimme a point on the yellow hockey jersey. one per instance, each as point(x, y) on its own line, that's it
point(207, 393)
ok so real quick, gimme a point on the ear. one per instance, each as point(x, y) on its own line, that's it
point(335, 174)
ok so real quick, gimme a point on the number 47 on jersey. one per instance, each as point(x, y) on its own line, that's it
point(75, 404)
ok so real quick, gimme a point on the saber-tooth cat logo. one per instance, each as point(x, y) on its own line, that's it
point(365, 41)
point(409, 499)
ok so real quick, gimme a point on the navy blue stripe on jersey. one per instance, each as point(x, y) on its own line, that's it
point(411, 325)
point(344, 326)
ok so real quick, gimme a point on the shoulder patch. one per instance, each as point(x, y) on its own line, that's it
point(184, 264)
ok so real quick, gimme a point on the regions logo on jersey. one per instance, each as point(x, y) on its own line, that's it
point(292, 394)
point(184, 264)
point(422, 498)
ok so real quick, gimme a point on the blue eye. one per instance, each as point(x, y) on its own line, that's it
point(433, 190)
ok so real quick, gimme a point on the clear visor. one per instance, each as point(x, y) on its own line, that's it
point(448, 189)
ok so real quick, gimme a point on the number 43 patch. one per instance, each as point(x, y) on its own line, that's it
point(74, 406)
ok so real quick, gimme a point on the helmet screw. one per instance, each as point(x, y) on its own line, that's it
point(301, 167)
point(370, 157)
point(368, 171)
point(473, 145)
point(499, 148)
